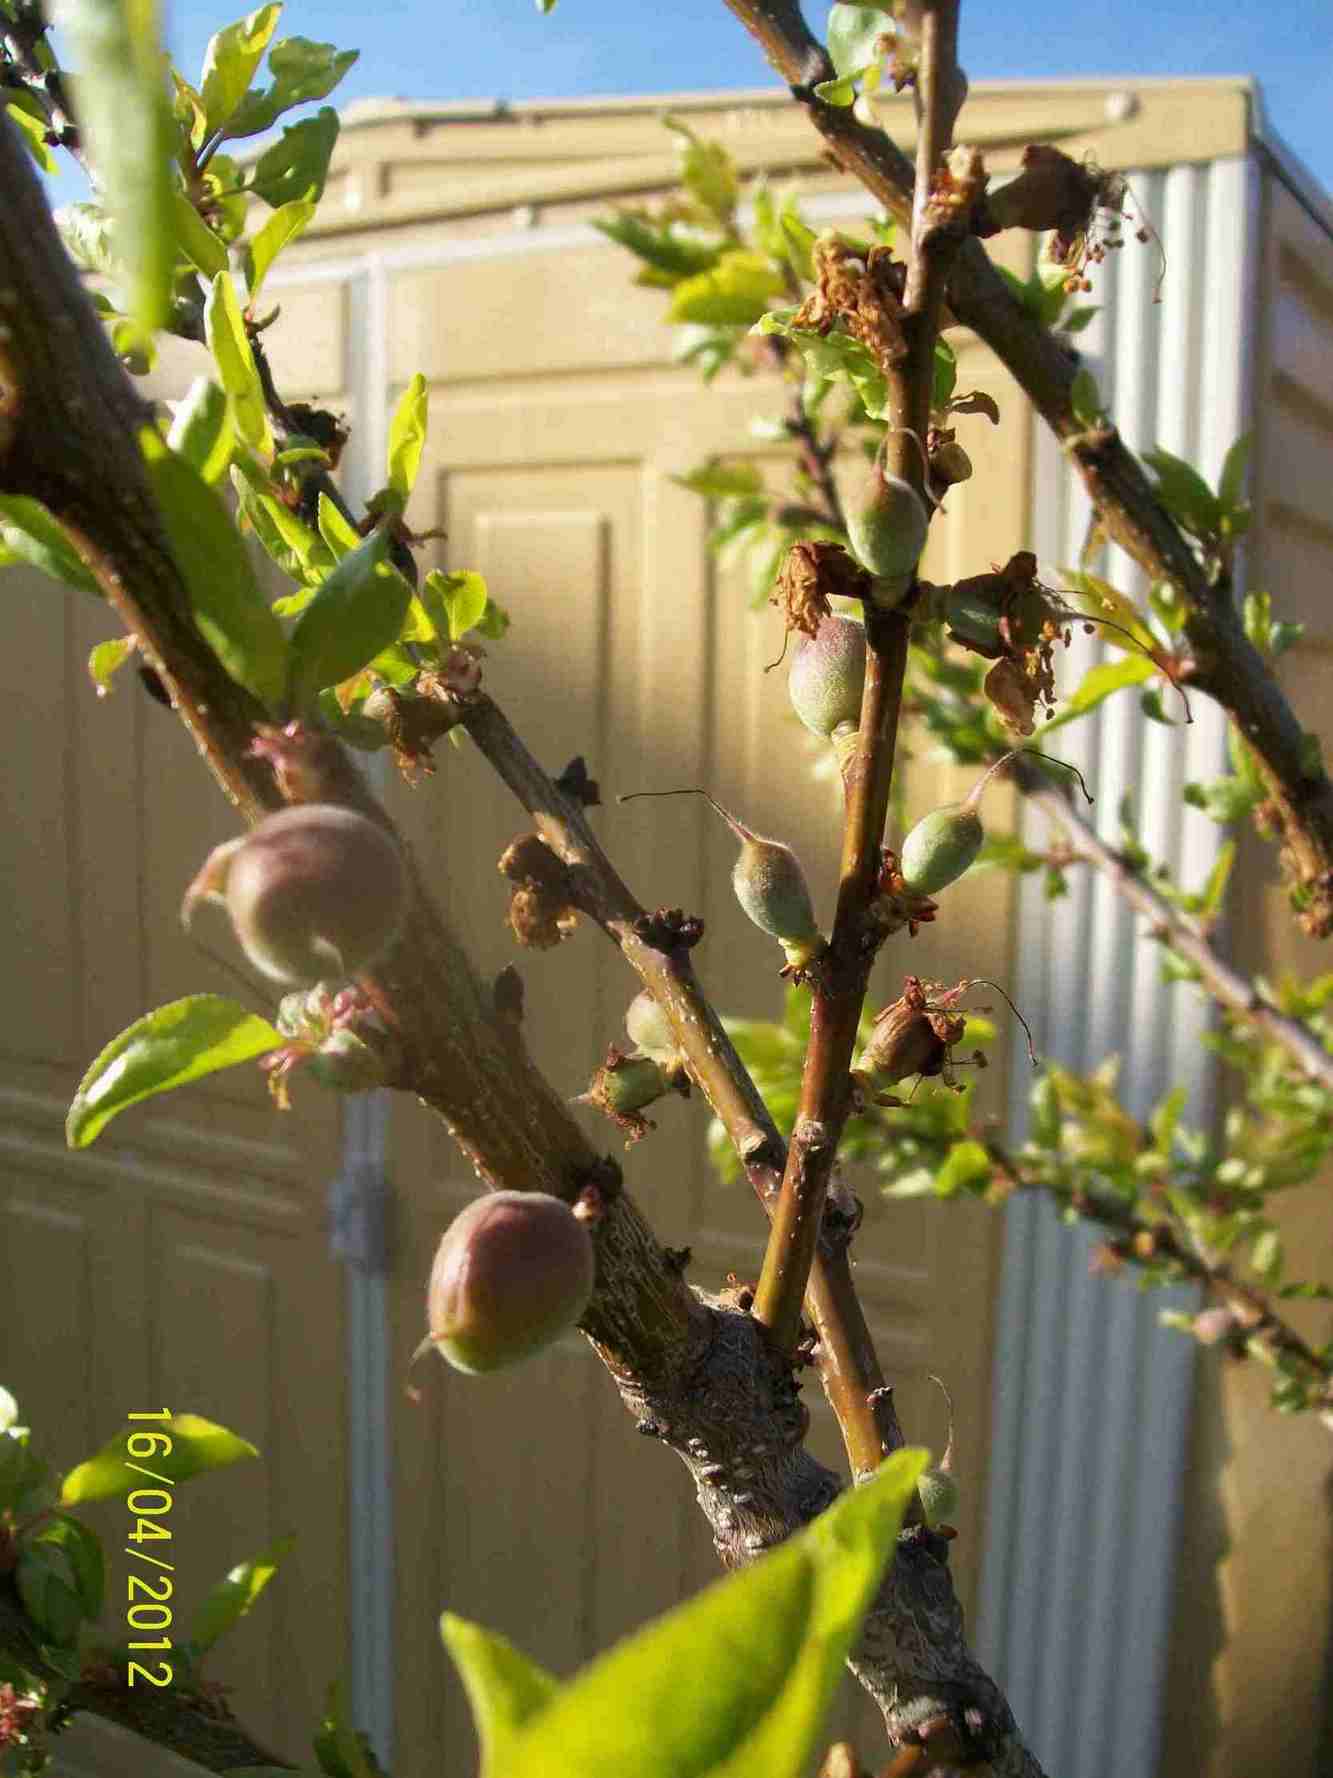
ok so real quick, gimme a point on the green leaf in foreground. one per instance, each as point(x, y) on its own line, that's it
point(504, 1688)
point(227, 341)
point(126, 115)
point(228, 608)
point(197, 1445)
point(737, 1681)
point(228, 1602)
point(203, 430)
point(179, 1042)
point(30, 534)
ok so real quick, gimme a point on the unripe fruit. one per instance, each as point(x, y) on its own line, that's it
point(936, 1487)
point(315, 892)
point(887, 525)
point(941, 847)
point(769, 883)
point(828, 675)
point(512, 1273)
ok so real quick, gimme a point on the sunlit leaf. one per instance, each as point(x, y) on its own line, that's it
point(230, 61)
point(203, 430)
point(504, 1688)
point(227, 341)
point(407, 436)
point(284, 225)
point(736, 291)
point(225, 1604)
point(302, 70)
point(295, 168)
point(177, 1043)
point(197, 1445)
point(30, 534)
point(355, 613)
point(107, 659)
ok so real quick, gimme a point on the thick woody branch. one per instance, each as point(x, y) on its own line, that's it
point(1228, 667)
point(1175, 928)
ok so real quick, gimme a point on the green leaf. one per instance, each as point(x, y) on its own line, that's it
point(224, 1605)
point(407, 436)
point(126, 118)
point(46, 1587)
point(358, 611)
point(338, 532)
point(107, 658)
point(228, 608)
point(1231, 483)
point(1100, 599)
point(668, 254)
point(197, 1445)
point(227, 341)
point(735, 292)
point(82, 1550)
point(1210, 896)
point(230, 61)
point(966, 1165)
point(295, 168)
point(205, 252)
point(722, 481)
point(455, 603)
point(31, 535)
point(1085, 399)
point(1098, 684)
point(504, 1688)
point(341, 1751)
point(1266, 1256)
point(32, 126)
point(708, 174)
point(179, 1042)
point(284, 225)
point(1078, 319)
point(852, 34)
point(738, 1681)
point(203, 430)
point(301, 71)
point(86, 231)
point(1184, 493)
point(840, 92)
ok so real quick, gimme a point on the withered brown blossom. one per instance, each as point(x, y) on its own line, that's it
point(811, 574)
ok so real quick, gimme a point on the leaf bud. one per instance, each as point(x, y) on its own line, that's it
point(513, 1272)
point(315, 892)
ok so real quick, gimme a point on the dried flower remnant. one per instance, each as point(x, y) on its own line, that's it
point(541, 910)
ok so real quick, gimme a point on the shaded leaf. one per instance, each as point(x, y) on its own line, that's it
point(224, 1605)
point(295, 168)
point(667, 252)
point(302, 70)
point(1231, 483)
point(177, 1043)
point(284, 225)
point(47, 1589)
point(197, 1445)
point(1098, 684)
point(1184, 493)
point(355, 613)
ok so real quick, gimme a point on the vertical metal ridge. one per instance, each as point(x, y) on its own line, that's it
point(1091, 1398)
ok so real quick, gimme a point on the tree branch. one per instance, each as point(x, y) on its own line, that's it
point(1175, 928)
point(1227, 666)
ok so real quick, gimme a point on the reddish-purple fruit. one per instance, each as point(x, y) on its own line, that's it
point(828, 675)
point(512, 1273)
point(315, 892)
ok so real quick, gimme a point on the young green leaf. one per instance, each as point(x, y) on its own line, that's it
point(48, 1592)
point(358, 611)
point(840, 92)
point(224, 330)
point(301, 71)
point(1098, 684)
point(722, 481)
point(30, 534)
point(295, 168)
point(667, 254)
point(224, 1605)
point(853, 32)
point(504, 1688)
point(107, 658)
point(230, 61)
point(341, 1751)
point(455, 603)
point(735, 292)
point(407, 436)
point(86, 231)
point(195, 239)
point(1184, 493)
point(966, 1167)
point(197, 1445)
point(180, 1042)
point(284, 225)
point(126, 115)
point(203, 431)
point(339, 533)
point(82, 1550)
point(738, 1680)
point(32, 126)
point(228, 608)
point(1231, 483)
point(945, 374)
point(1085, 399)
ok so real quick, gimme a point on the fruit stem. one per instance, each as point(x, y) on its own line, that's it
point(984, 981)
point(945, 1464)
point(741, 831)
point(973, 796)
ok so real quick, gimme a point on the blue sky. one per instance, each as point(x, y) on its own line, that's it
point(465, 49)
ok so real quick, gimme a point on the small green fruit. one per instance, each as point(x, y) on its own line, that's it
point(513, 1272)
point(941, 847)
point(828, 675)
point(315, 892)
point(939, 1496)
point(887, 525)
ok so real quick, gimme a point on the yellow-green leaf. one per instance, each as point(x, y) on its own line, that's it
point(736, 291)
point(504, 1688)
point(30, 534)
point(203, 430)
point(284, 225)
point(197, 241)
point(225, 332)
point(230, 61)
point(197, 1445)
point(228, 1602)
point(407, 436)
point(107, 659)
point(355, 613)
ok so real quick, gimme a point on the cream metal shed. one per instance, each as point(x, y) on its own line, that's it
point(1122, 1505)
